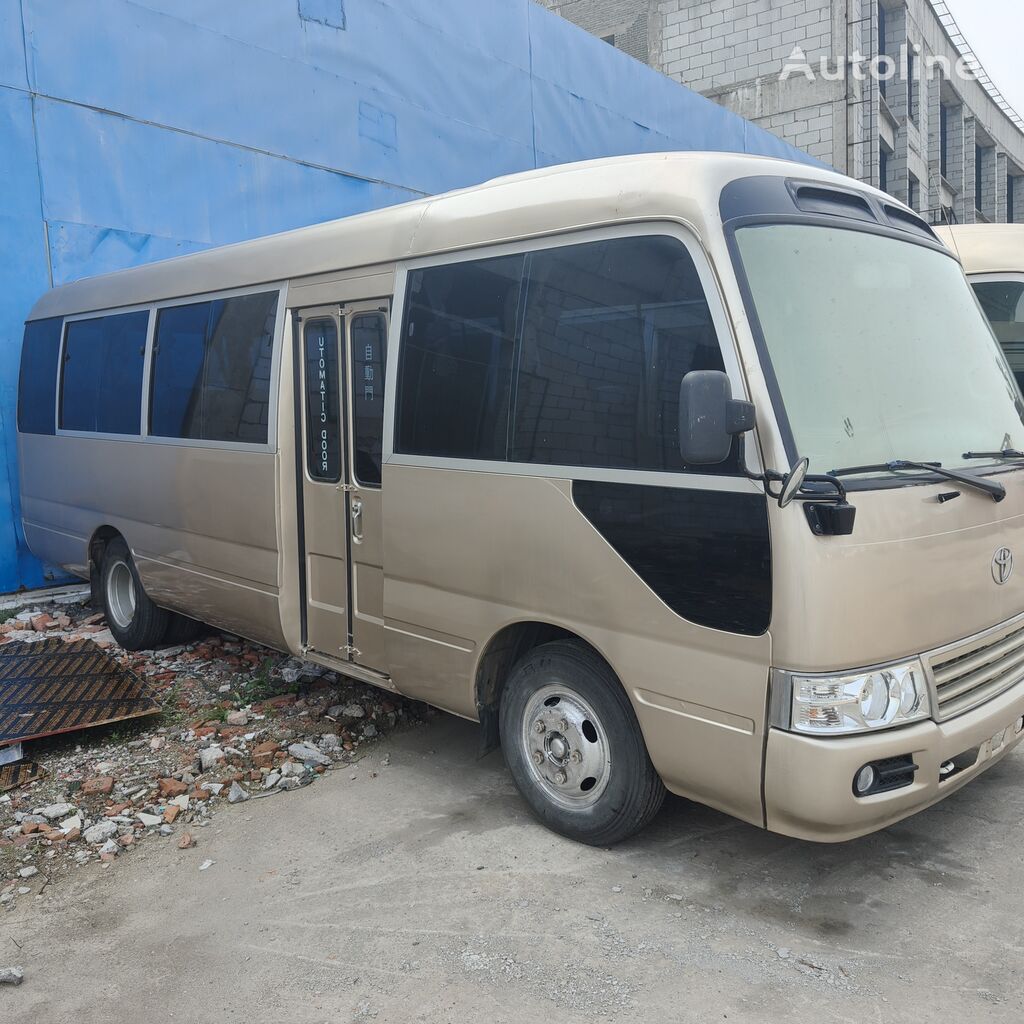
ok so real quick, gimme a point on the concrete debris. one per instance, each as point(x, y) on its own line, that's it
point(55, 811)
point(206, 865)
point(100, 832)
point(28, 872)
point(237, 719)
point(210, 758)
point(236, 794)
point(11, 975)
point(308, 753)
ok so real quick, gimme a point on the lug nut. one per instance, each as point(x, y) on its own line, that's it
point(538, 727)
point(563, 726)
point(577, 757)
point(538, 757)
point(561, 778)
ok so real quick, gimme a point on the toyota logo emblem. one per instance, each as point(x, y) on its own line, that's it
point(1002, 565)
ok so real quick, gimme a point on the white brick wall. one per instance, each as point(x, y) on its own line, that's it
point(734, 52)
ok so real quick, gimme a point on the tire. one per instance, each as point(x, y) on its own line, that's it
point(183, 630)
point(574, 747)
point(135, 622)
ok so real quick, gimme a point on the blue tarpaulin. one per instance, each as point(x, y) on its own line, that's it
point(135, 130)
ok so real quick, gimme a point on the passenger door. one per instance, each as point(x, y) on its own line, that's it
point(367, 333)
point(340, 369)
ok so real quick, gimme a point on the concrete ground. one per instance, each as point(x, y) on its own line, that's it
point(425, 892)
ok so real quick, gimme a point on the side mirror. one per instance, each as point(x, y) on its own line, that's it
point(709, 417)
point(794, 481)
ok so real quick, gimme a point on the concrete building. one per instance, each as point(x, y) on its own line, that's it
point(880, 89)
point(134, 130)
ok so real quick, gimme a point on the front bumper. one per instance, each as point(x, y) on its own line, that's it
point(809, 781)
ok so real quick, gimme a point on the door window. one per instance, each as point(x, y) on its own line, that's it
point(369, 334)
point(323, 418)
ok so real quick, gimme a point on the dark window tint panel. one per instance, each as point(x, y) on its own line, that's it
point(101, 382)
point(610, 330)
point(369, 344)
point(706, 554)
point(212, 368)
point(456, 365)
point(37, 384)
point(323, 420)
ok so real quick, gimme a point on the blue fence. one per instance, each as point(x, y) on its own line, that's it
point(134, 130)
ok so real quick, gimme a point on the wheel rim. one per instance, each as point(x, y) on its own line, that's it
point(565, 747)
point(121, 594)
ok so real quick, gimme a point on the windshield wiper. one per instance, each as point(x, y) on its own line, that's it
point(1006, 453)
point(996, 491)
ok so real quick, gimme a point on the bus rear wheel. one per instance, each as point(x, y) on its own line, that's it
point(135, 622)
point(574, 746)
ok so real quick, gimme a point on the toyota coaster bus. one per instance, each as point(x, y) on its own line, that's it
point(694, 472)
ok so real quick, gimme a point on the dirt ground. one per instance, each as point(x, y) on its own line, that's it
point(417, 888)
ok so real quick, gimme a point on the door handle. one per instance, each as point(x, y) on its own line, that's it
point(356, 509)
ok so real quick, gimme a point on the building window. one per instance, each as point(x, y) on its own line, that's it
point(211, 369)
point(37, 384)
point(913, 193)
point(882, 51)
point(1011, 205)
point(883, 168)
point(912, 90)
point(101, 374)
point(610, 40)
point(979, 176)
point(944, 140)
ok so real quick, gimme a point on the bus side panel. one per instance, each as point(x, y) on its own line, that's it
point(200, 521)
point(468, 553)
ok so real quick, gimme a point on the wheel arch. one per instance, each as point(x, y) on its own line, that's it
point(98, 542)
point(500, 655)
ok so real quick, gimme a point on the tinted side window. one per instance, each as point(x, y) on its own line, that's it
point(1003, 302)
point(610, 329)
point(37, 384)
point(101, 376)
point(323, 420)
point(211, 369)
point(369, 343)
point(456, 366)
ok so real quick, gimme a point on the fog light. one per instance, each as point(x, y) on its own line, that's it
point(865, 780)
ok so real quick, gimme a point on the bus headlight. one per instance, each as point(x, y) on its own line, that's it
point(831, 705)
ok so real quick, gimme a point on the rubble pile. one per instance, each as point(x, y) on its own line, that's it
point(239, 721)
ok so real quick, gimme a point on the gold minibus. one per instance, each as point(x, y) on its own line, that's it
point(683, 471)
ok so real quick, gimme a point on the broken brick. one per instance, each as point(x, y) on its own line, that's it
point(171, 787)
point(101, 786)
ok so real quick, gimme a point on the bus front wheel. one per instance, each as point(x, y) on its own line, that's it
point(574, 746)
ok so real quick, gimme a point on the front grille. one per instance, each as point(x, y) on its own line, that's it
point(972, 673)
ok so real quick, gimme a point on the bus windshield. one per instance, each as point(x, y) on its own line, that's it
point(879, 347)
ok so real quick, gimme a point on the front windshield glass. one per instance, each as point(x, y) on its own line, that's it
point(879, 347)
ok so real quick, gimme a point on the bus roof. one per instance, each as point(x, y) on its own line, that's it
point(987, 248)
point(682, 186)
